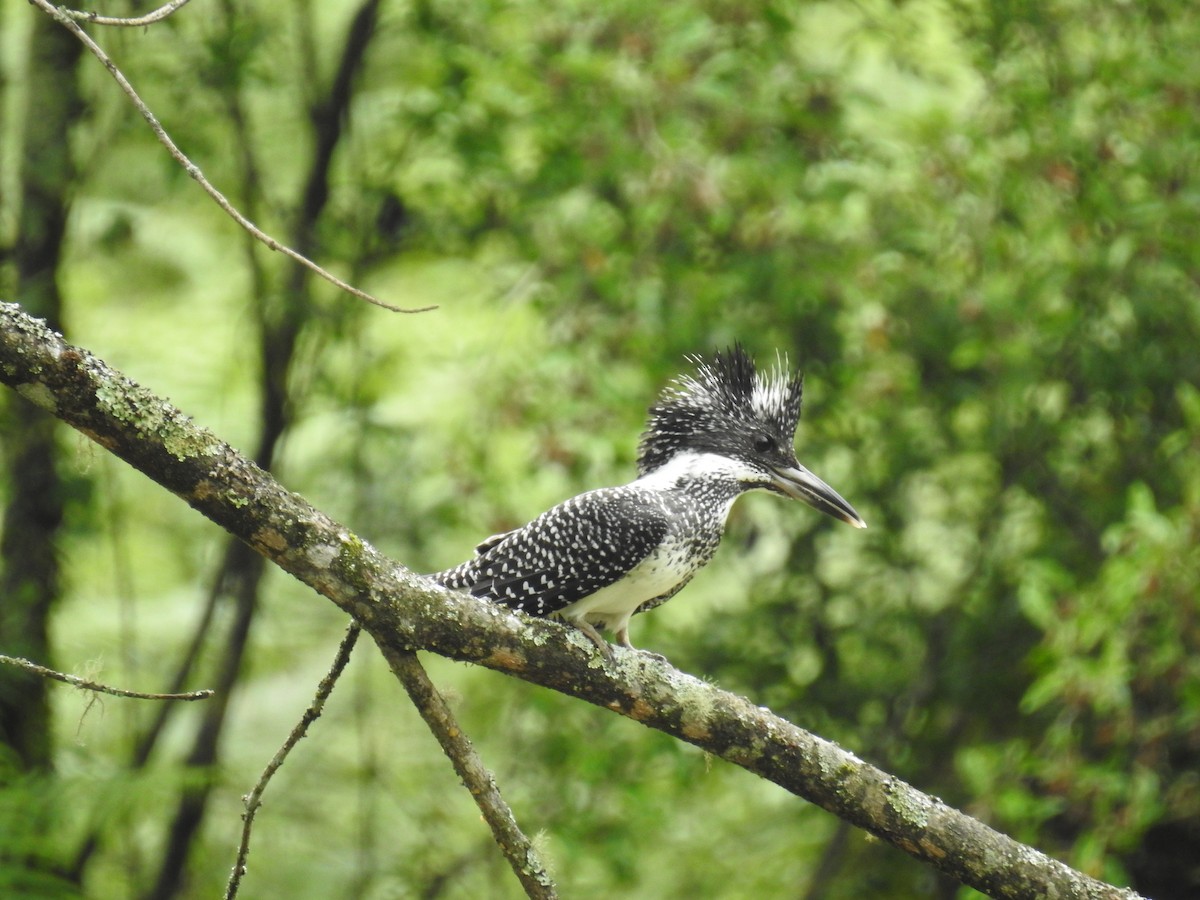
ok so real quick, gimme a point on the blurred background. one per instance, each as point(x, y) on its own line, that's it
point(972, 223)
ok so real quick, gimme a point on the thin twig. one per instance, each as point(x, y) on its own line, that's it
point(476, 778)
point(149, 19)
point(89, 685)
point(253, 800)
point(68, 22)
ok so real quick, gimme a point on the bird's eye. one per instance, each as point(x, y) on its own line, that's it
point(763, 444)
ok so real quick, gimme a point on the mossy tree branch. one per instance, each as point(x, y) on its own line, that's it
point(403, 611)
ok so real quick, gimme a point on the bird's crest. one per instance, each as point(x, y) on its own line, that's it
point(726, 396)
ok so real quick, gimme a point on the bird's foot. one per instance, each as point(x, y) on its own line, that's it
point(595, 637)
point(605, 648)
point(623, 640)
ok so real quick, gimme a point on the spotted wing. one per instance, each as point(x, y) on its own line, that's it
point(565, 554)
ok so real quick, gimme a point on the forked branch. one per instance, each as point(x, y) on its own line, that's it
point(403, 611)
point(522, 856)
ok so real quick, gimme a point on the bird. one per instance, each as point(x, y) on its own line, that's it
point(596, 559)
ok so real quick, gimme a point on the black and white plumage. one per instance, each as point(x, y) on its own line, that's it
point(602, 556)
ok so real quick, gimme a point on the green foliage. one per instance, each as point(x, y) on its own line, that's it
point(974, 225)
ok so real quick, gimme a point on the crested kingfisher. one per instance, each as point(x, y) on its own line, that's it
point(600, 557)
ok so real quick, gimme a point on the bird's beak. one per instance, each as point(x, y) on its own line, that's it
point(800, 484)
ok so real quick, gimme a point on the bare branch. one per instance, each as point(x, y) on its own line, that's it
point(517, 848)
point(96, 686)
point(68, 21)
point(149, 19)
point(403, 611)
point(253, 800)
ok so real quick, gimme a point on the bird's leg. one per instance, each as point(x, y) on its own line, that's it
point(595, 637)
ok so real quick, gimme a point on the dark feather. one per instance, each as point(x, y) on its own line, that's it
point(727, 400)
point(566, 553)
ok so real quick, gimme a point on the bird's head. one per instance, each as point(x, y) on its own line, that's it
point(730, 410)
